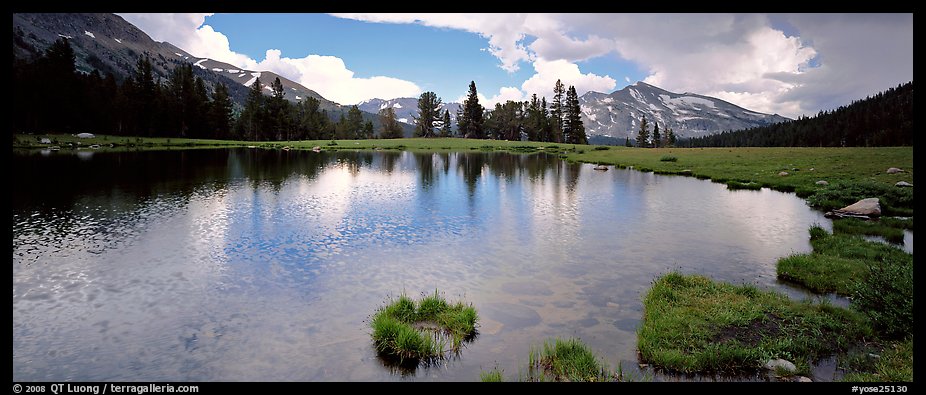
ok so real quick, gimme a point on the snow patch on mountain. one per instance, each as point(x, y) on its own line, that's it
point(688, 114)
point(89, 34)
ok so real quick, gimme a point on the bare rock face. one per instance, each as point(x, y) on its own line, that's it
point(864, 208)
point(894, 170)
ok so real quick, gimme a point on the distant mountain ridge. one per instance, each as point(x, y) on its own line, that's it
point(110, 44)
point(406, 108)
point(618, 114)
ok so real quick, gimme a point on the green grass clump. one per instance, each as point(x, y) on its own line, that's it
point(566, 360)
point(885, 293)
point(892, 363)
point(492, 376)
point(693, 324)
point(752, 186)
point(856, 226)
point(837, 263)
point(668, 158)
point(419, 331)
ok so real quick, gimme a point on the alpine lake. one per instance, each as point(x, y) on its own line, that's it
point(265, 265)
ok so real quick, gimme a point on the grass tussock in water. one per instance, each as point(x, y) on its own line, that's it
point(748, 185)
point(492, 376)
point(422, 330)
point(890, 229)
point(693, 324)
point(838, 261)
point(566, 360)
point(563, 360)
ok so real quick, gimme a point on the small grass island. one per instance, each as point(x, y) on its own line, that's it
point(424, 330)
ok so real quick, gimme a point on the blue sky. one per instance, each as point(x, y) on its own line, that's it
point(781, 63)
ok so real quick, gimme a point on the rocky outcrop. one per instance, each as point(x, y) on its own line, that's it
point(865, 208)
point(780, 365)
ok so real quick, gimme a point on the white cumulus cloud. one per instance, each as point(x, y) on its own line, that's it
point(825, 60)
point(547, 72)
point(327, 75)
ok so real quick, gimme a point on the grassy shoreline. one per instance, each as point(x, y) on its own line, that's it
point(692, 324)
point(739, 167)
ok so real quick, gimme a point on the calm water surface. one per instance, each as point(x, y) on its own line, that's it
point(265, 265)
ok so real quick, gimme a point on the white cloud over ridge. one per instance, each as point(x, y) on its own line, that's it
point(823, 61)
point(829, 60)
point(327, 75)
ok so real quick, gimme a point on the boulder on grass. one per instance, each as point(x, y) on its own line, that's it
point(780, 365)
point(823, 183)
point(865, 208)
point(784, 173)
point(903, 184)
point(894, 170)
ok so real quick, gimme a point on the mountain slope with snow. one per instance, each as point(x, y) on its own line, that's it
point(618, 114)
point(406, 109)
point(110, 44)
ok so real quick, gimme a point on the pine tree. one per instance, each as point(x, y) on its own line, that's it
point(627, 142)
point(220, 112)
point(643, 134)
point(546, 133)
point(367, 130)
point(429, 115)
point(671, 139)
point(390, 126)
point(574, 129)
point(657, 139)
point(470, 123)
point(354, 123)
point(144, 97)
point(506, 121)
point(445, 130)
point(556, 112)
point(252, 116)
point(313, 123)
point(277, 122)
point(533, 123)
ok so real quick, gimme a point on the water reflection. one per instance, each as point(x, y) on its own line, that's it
point(252, 264)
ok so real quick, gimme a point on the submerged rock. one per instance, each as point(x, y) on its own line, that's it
point(780, 364)
point(822, 182)
point(903, 184)
point(863, 208)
